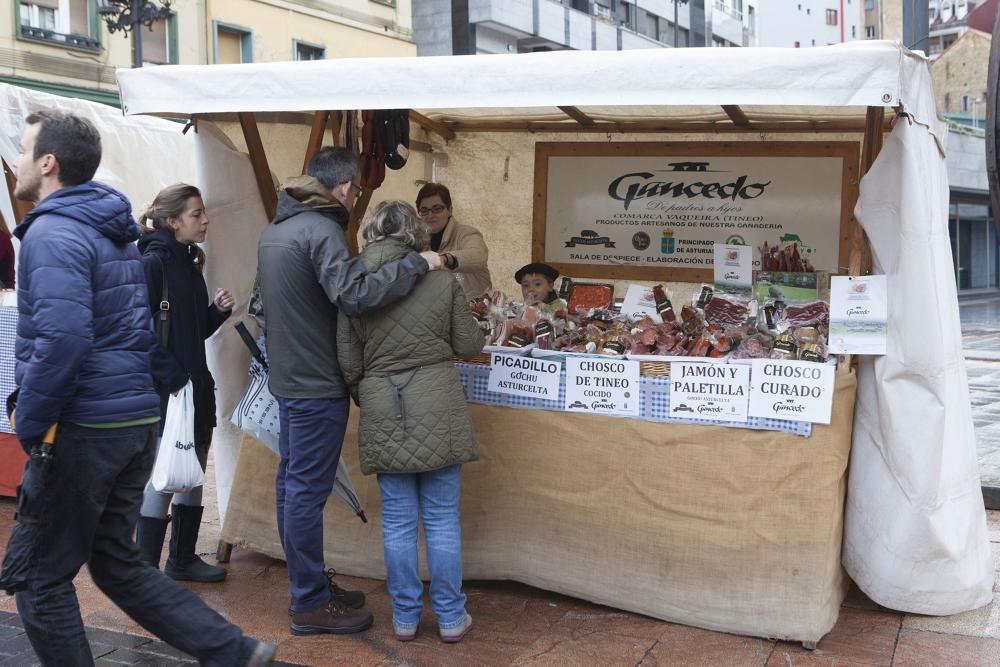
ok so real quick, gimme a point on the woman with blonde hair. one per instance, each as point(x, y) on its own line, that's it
point(172, 227)
point(415, 430)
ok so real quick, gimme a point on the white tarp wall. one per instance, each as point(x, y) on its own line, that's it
point(141, 156)
point(915, 536)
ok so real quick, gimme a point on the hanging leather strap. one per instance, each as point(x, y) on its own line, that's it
point(163, 315)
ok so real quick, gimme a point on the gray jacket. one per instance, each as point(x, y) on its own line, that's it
point(399, 362)
point(306, 274)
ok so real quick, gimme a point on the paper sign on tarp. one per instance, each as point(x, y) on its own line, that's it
point(523, 376)
point(716, 391)
point(858, 314)
point(638, 302)
point(602, 386)
point(733, 268)
point(799, 390)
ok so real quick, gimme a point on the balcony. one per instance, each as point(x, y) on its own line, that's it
point(727, 23)
point(53, 37)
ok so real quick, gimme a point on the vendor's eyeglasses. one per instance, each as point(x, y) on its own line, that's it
point(437, 208)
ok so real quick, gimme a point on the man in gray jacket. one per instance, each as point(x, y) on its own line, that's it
point(306, 276)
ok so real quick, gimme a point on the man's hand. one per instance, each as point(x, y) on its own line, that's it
point(433, 260)
point(224, 300)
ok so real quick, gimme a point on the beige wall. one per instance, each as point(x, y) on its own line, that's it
point(892, 20)
point(276, 23)
point(962, 69)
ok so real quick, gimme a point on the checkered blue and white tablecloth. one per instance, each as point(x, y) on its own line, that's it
point(654, 395)
point(8, 332)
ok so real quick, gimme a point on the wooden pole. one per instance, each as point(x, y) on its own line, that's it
point(357, 215)
point(336, 118)
point(268, 194)
point(20, 207)
point(315, 137)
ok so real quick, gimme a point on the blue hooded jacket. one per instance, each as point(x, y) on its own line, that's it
point(84, 333)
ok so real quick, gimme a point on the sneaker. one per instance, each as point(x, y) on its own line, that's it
point(455, 634)
point(403, 633)
point(352, 599)
point(263, 655)
point(332, 618)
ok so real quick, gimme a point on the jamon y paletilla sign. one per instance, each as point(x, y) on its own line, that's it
point(663, 212)
point(705, 390)
point(524, 376)
point(795, 390)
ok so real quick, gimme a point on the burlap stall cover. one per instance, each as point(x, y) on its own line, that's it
point(726, 529)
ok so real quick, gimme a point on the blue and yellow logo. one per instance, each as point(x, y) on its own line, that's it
point(667, 242)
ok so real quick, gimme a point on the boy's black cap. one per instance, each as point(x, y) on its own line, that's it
point(539, 268)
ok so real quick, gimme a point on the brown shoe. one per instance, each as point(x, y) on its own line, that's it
point(332, 618)
point(352, 599)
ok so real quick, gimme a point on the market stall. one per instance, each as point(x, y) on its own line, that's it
point(628, 510)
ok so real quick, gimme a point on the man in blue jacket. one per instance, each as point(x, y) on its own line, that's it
point(84, 343)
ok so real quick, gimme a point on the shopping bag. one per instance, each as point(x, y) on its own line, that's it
point(177, 469)
point(256, 413)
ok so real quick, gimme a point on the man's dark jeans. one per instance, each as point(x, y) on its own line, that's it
point(92, 504)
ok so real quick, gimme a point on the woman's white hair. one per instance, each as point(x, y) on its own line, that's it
point(396, 219)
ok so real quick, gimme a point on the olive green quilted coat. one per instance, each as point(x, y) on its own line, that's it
point(398, 364)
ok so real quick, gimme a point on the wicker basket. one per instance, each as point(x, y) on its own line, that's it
point(654, 368)
point(483, 359)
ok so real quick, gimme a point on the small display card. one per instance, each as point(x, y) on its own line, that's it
point(795, 390)
point(638, 302)
point(734, 268)
point(858, 314)
point(715, 391)
point(524, 376)
point(602, 386)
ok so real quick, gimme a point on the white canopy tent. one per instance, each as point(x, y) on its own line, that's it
point(915, 530)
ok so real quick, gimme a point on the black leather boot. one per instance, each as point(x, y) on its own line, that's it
point(149, 534)
point(183, 563)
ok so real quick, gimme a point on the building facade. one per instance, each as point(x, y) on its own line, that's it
point(448, 27)
point(804, 23)
point(64, 47)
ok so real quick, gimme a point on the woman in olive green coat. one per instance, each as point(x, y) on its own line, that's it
point(415, 429)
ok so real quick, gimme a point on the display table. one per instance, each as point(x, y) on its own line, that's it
point(729, 529)
point(12, 457)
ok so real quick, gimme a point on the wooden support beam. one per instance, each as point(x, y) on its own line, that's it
point(224, 552)
point(336, 118)
point(432, 125)
point(658, 126)
point(736, 115)
point(261, 172)
point(315, 137)
point(357, 215)
point(20, 207)
point(578, 116)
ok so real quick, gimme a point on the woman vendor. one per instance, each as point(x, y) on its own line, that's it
point(462, 248)
point(537, 282)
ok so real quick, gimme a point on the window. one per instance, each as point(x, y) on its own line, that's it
point(70, 22)
point(869, 5)
point(947, 102)
point(307, 51)
point(814, 42)
point(602, 11)
point(869, 32)
point(232, 44)
point(809, 11)
point(41, 14)
point(965, 103)
point(159, 42)
point(798, 44)
point(831, 17)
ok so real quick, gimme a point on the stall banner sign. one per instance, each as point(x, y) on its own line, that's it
point(858, 314)
point(639, 302)
point(602, 386)
point(716, 391)
point(524, 376)
point(670, 211)
point(799, 390)
point(734, 268)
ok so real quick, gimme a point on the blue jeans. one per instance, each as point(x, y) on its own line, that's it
point(92, 498)
point(432, 496)
point(312, 434)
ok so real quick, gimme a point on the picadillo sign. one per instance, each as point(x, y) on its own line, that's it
point(715, 391)
point(796, 390)
point(524, 376)
point(602, 386)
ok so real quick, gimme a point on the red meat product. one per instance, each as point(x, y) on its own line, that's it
point(726, 313)
point(518, 334)
point(638, 347)
point(688, 313)
point(647, 336)
point(807, 313)
point(663, 305)
point(700, 347)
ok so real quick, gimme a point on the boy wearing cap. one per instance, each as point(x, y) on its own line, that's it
point(537, 282)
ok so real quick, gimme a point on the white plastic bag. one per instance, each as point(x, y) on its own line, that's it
point(256, 412)
point(177, 469)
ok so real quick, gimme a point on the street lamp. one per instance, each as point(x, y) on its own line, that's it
point(126, 15)
point(676, 32)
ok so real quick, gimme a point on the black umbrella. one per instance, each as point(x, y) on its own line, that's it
point(31, 506)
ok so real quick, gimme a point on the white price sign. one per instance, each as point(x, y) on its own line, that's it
point(602, 386)
point(715, 391)
point(796, 390)
point(524, 376)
